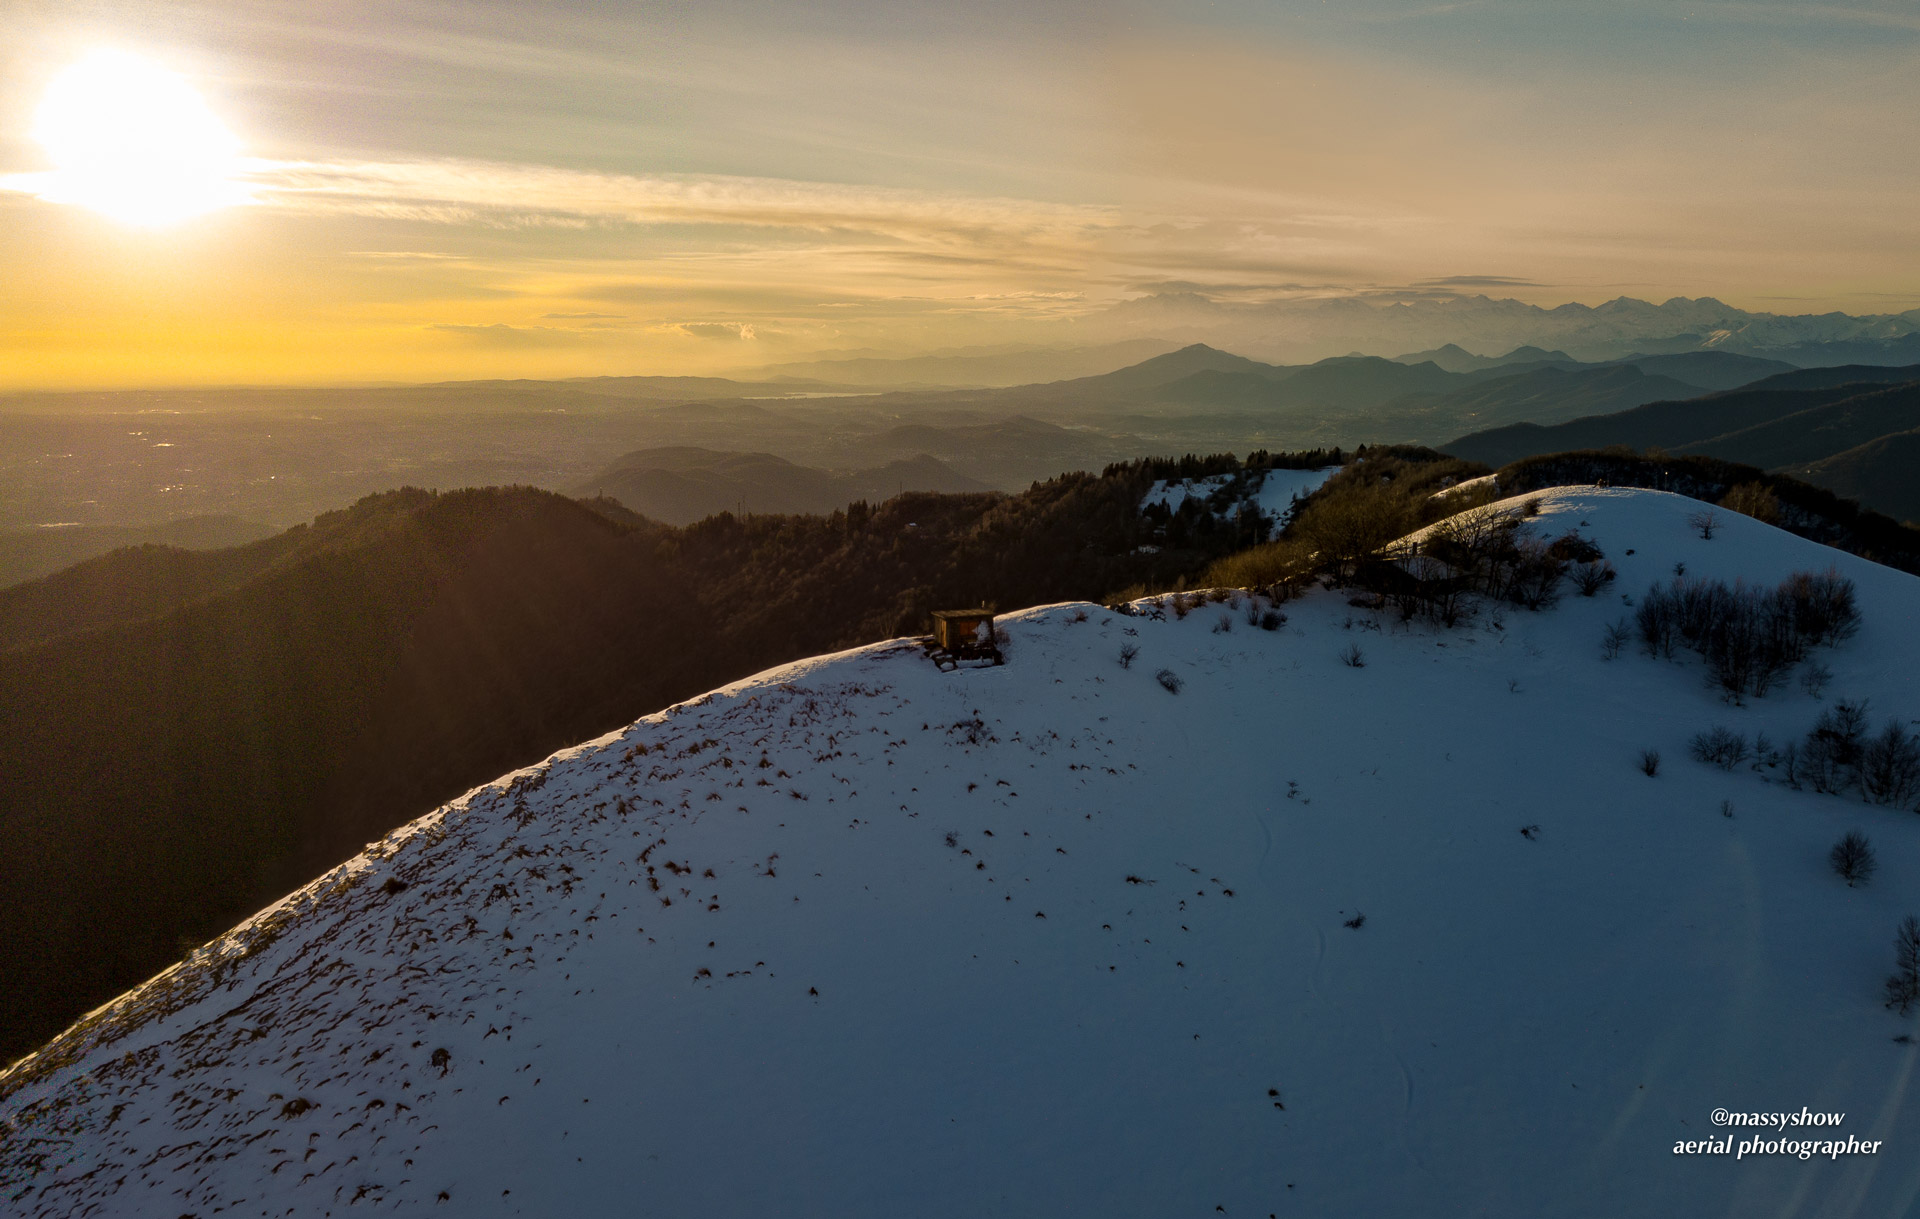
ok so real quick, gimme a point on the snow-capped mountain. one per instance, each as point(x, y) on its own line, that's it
point(1168, 915)
point(1294, 330)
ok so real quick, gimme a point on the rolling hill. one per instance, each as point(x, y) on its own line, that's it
point(1881, 472)
point(28, 554)
point(1790, 423)
point(1542, 394)
point(1335, 918)
point(186, 735)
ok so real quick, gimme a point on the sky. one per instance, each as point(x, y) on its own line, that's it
point(433, 190)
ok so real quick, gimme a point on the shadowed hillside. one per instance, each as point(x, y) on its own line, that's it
point(28, 554)
point(680, 485)
point(188, 735)
point(1884, 472)
point(1789, 423)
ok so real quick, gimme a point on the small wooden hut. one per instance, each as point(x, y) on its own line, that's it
point(962, 635)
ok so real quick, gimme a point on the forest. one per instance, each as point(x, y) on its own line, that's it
point(189, 735)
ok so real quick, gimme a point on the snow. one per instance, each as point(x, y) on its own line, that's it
point(852, 1017)
point(1178, 491)
point(1275, 495)
point(1280, 487)
point(1485, 480)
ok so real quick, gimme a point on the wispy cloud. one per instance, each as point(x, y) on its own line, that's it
point(506, 195)
point(730, 331)
point(406, 256)
point(499, 334)
point(1477, 281)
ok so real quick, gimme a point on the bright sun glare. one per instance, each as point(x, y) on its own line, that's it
point(133, 141)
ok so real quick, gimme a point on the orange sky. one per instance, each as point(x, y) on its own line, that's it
point(443, 191)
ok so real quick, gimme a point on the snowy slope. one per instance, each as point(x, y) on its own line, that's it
point(1279, 488)
point(1174, 492)
point(1047, 939)
point(1274, 496)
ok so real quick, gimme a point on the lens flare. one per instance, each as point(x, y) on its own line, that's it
point(134, 142)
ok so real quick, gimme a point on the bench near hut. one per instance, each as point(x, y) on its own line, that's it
point(962, 635)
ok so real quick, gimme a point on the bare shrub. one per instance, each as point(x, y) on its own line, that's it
point(1903, 985)
point(1830, 758)
point(1169, 681)
point(1223, 624)
point(1272, 620)
point(1749, 637)
point(1658, 621)
point(1346, 529)
point(1890, 766)
point(1535, 582)
point(1353, 657)
point(1650, 762)
point(1127, 652)
point(1615, 639)
point(1705, 522)
point(1756, 500)
point(1275, 566)
point(1590, 578)
point(1573, 548)
point(1825, 605)
point(1853, 858)
point(1815, 678)
point(1720, 747)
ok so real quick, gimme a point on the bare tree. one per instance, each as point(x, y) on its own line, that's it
point(1830, 760)
point(1814, 679)
point(1590, 578)
point(1615, 639)
point(1705, 522)
point(1721, 747)
point(1756, 500)
point(1890, 766)
point(1852, 857)
point(1903, 985)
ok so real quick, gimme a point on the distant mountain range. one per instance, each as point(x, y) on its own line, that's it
point(1302, 330)
point(1854, 430)
point(967, 366)
point(1360, 399)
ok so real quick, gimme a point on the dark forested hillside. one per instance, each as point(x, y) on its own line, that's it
point(1884, 472)
point(184, 737)
point(681, 484)
point(28, 554)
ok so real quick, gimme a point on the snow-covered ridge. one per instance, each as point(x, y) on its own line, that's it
point(857, 937)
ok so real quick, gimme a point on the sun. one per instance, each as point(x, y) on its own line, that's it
point(133, 141)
